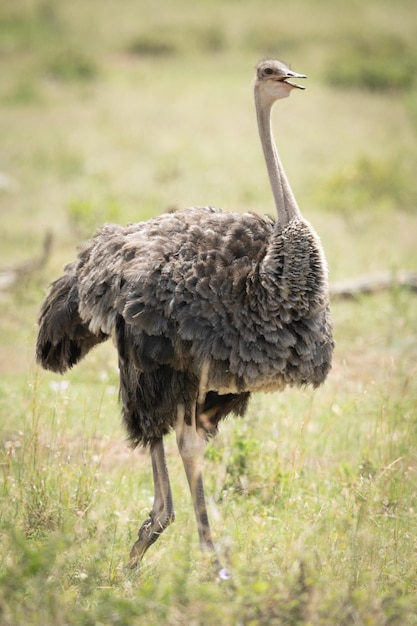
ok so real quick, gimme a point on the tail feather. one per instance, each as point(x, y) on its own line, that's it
point(63, 337)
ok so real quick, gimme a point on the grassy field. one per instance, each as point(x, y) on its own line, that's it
point(116, 112)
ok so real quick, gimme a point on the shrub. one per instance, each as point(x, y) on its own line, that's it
point(71, 65)
point(379, 63)
point(153, 45)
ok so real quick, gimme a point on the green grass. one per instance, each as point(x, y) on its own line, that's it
point(112, 114)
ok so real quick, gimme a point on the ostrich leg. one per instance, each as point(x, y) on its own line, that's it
point(162, 513)
point(191, 447)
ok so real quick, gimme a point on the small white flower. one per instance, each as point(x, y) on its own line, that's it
point(224, 574)
point(59, 385)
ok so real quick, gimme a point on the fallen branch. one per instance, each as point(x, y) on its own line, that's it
point(11, 276)
point(375, 283)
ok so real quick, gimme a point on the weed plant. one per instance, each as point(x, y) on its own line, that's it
point(371, 186)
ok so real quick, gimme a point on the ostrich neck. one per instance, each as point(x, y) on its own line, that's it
point(285, 202)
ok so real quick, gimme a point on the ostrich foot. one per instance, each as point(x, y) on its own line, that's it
point(148, 533)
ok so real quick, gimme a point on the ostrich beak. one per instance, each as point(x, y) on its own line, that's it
point(290, 75)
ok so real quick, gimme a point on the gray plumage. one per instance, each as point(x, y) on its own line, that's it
point(206, 306)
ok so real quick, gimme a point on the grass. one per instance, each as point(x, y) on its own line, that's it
point(312, 497)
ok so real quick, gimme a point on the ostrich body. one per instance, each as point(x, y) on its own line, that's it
point(206, 306)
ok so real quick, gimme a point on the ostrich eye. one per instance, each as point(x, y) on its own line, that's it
point(268, 71)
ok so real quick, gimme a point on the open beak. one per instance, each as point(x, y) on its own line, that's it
point(288, 79)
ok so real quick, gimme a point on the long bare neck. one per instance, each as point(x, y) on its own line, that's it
point(285, 202)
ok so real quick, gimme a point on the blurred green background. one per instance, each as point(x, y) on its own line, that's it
point(118, 111)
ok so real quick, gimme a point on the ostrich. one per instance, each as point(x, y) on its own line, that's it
point(205, 307)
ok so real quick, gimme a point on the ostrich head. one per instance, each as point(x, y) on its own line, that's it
point(274, 79)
